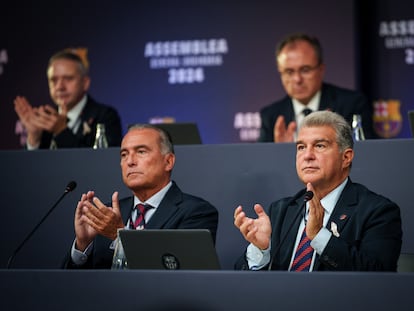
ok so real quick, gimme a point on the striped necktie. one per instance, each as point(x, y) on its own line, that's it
point(139, 222)
point(303, 255)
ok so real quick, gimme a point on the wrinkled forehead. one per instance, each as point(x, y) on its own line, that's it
point(138, 136)
point(316, 132)
point(63, 66)
point(297, 49)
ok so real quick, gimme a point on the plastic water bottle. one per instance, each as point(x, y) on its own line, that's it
point(119, 260)
point(357, 131)
point(100, 137)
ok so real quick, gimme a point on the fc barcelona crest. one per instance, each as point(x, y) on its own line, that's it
point(387, 118)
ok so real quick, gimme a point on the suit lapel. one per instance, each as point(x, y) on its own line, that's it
point(288, 111)
point(84, 128)
point(290, 227)
point(342, 212)
point(126, 207)
point(87, 118)
point(344, 208)
point(328, 99)
point(167, 208)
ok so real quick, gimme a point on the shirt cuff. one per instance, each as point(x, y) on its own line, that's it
point(32, 147)
point(257, 258)
point(320, 241)
point(80, 258)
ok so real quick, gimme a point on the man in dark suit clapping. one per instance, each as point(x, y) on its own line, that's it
point(147, 160)
point(333, 224)
point(73, 123)
point(301, 67)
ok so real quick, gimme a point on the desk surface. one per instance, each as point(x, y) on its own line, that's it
point(201, 290)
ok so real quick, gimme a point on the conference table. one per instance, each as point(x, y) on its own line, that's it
point(226, 175)
point(155, 290)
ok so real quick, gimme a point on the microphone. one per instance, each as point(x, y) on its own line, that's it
point(70, 187)
point(308, 196)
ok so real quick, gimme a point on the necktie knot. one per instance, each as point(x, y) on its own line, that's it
point(142, 208)
point(139, 222)
point(307, 111)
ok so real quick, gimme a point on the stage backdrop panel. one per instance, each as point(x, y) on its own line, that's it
point(209, 62)
point(386, 47)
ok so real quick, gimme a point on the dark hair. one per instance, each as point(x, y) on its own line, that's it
point(166, 144)
point(292, 38)
point(67, 54)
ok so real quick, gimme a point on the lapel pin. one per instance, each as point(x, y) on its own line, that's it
point(86, 128)
point(334, 229)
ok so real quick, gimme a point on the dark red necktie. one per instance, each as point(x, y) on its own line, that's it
point(303, 255)
point(139, 222)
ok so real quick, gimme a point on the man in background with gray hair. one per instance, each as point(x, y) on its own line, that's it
point(73, 123)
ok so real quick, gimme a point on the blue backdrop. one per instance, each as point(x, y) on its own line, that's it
point(209, 62)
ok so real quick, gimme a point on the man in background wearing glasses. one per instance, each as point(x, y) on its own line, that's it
point(301, 67)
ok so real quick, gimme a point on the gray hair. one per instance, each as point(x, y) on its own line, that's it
point(68, 55)
point(337, 122)
point(166, 145)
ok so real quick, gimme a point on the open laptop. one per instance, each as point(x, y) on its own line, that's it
point(182, 133)
point(169, 249)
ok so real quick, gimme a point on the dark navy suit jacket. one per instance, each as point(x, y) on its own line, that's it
point(92, 114)
point(342, 101)
point(177, 210)
point(369, 227)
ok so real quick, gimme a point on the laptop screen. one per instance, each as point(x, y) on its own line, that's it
point(169, 249)
point(182, 133)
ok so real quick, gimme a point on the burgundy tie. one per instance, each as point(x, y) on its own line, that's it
point(303, 255)
point(139, 222)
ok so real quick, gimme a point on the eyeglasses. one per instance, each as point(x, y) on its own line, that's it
point(304, 71)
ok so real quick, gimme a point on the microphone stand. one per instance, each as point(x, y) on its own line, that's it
point(69, 188)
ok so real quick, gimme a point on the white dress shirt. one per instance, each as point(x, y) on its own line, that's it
point(298, 107)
